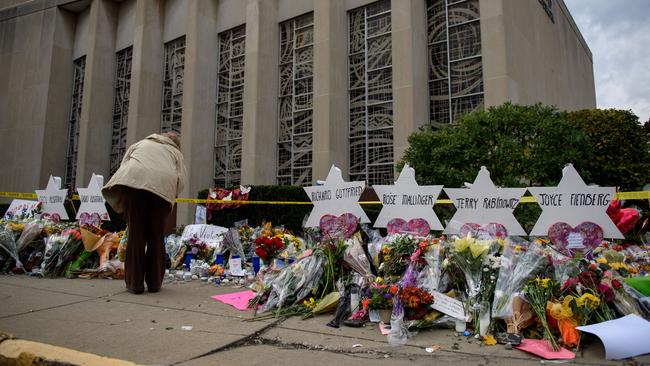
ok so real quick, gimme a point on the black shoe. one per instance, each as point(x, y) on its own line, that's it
point(355, 323)
point(153, 289)
point(134, 291)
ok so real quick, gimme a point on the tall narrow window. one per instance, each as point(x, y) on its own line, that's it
point(295, 138)
point(73, 122)
point(371, 93)
point(455, 64)
point(120, 106)
point(230, 107)
point(172, 103)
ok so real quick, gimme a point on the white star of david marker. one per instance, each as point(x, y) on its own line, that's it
point(407, 200)
point(53, 198)
point(92, 200)
point(484, 203)
point(574, 202)
point(335, 197)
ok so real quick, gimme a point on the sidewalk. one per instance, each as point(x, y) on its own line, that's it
point(99, 317)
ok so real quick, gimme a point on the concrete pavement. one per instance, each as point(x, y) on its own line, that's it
point(100, 317)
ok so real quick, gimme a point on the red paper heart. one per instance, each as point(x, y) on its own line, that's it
point(341, 227)
point(492, 230)
point(569, 240)
point(418, 227)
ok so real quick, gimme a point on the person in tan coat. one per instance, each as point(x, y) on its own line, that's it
point(144, 188)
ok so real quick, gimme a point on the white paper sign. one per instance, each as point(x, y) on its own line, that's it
point(21, 209)
point(574, 202)
point(92, 200)
point(200, 214)
point(624, 337)
point(483, 204)
point(53, 198)
point(234, 264)
point(211, 234)
point(335, 197)
point(407, 200)
point(449, 305)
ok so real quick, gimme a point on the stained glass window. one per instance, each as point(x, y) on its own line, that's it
point(295, 117)
point(73, 122)
point(455, 63)
point(120, 106)
point(230, 107)
point(172, 103)
point(370, 90)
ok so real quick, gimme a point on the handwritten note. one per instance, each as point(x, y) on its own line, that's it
point(449, 305)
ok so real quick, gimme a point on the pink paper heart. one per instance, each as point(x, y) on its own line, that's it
point(569, 240)
point(492, 230)
point(341, 227)
point(418, 227)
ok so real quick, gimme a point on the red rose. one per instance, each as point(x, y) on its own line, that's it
point(616, 283)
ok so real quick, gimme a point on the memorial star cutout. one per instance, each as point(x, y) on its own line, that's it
point(53, 198)
point(90, 198)
point(394, 205)
point(476, 205)
point(566, 203)
point(335, 206)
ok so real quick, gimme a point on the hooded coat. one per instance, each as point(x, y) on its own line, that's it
point(154, 164)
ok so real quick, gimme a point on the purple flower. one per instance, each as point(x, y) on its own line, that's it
point(387, 296)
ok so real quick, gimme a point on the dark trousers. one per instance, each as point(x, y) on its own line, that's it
point(146, 214)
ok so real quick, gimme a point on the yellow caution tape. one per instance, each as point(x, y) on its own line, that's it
point(637, 195)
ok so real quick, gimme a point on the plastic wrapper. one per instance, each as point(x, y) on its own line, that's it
point(375, 241)
point(443, 322)
point(356, 258)
point(431, 275)
point(312, 235)
point(232, 243)
point(518, 265)
point(8, 244)
point(562, 265)
point(295, 282)
point(31, 232)
point(399, 330)
point(328, 303)
point(173, 245)
point(60, 250)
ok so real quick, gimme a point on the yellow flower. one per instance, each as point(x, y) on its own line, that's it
point(601, 260)
point(588, 300)
point(480, 247)
point(311, 303)
point(461, 244)
point(561, 310)
point(489, 340)
point(379, 280)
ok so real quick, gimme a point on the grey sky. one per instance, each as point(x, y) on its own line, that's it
point(618, 34)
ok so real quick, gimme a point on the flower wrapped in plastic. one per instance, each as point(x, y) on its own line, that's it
point(8, 244)
point(294, 283)
point(60, 250)
point(357, 259)
point(430, 276)
point(518, 264)
point(32, 231)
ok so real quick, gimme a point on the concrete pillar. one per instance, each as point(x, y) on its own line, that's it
point(410, 71)
point(330, 88)
point(35, 89)
point(199, 97)
point(146, 71)
point(59, 93)
point(95, 125)
point(496, 82)
point(260, 130)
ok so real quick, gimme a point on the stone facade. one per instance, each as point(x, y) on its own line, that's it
point(526, 55)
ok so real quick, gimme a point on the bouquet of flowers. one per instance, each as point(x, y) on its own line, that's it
point(471, 257)
point(417, 302)
point(395, 256)
point(268, 248)
point(8, 244)
point(538, 293)
point(61, 249)
point(293, 284)
point(199, 248)
point(379, 296)
point(518, 264)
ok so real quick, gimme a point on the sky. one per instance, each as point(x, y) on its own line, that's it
point(618, 34)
